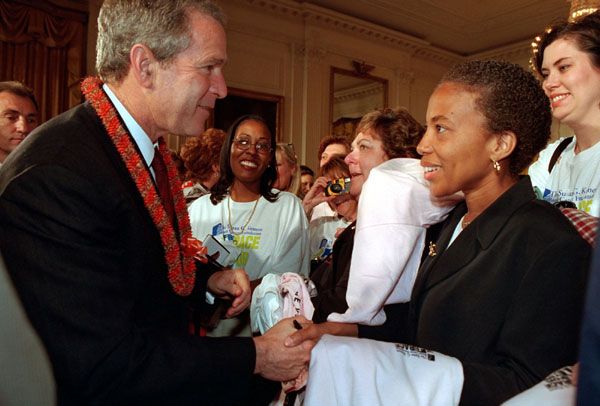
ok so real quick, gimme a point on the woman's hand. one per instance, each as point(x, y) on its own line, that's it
point(313, 332)
point(316, 195)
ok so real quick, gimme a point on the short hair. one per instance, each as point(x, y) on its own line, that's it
point(221, 188)
point(19, 89)
point(305, 170)
point(201, 153)
point(399, 132)
point(585, 32)
point(289, 154)
point(333, 139)
point(335, 168)
point(510, 99)
point(162, 25)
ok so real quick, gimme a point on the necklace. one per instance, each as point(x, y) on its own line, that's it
point(247, 222)
point(181, 267)
point(464, 223)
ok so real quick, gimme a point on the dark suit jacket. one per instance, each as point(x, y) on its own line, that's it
point(331, 277)
point(505, 298)
point(89, 265)
point(588, 384)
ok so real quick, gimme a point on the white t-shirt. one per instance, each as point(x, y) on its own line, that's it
point(321, 210)
point(274, 241)
point(394, 211)
point(322, 235)
point(575, 178)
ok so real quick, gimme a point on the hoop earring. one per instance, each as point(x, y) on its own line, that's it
point(497, 167)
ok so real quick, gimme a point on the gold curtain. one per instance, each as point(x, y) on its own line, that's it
point(42, 46)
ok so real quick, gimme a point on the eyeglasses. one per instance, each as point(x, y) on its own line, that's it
point(262, 147)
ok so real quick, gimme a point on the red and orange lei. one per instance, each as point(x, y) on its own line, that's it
point(179, 257)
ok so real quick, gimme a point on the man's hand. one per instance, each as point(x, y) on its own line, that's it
point(277, 362)
point(231, 284)
point(313, 332)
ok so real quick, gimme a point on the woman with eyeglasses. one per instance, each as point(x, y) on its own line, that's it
point(288, 169)
point(243, 209)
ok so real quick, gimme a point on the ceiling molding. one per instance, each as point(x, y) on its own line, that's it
point(319, 16)
point(508, 52)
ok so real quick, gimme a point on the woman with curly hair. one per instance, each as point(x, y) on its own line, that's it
point(497, 302)
point(243, 209)
point(201, 161)
point(567, 58)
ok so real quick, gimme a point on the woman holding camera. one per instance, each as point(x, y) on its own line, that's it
point(323, 231)
point(269, 227)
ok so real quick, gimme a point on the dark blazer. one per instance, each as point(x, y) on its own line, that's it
point(588, 383)
point(88, 263)
point(331, 277)
point(505, 298)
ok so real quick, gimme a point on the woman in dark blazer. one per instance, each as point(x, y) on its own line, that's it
point(501, 289)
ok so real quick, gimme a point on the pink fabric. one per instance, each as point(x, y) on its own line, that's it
point(296, 298)
point(296, 302)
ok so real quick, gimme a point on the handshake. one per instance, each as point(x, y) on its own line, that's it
point(279, 358)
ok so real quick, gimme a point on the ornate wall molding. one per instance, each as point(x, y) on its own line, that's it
point(508, 52)
point(318, 16)
point(403, 77)
point(358, 92)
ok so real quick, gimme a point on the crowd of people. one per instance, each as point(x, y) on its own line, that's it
point(428, 266)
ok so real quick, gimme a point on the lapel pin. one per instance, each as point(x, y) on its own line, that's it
point(432, 252)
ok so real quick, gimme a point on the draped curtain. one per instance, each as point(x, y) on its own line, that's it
point(42, 46)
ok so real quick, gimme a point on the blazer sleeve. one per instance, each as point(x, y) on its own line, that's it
point(92, 279)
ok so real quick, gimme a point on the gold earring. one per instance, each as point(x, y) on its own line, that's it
point(496, 167)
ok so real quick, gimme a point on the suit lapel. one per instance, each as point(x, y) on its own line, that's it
point(437, 249)
point(478, 236)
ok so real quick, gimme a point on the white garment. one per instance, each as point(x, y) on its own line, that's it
point(322, 233)
point(575, 178)
point(351, 371)
point(555, 390)
point(394, 211)
point(266, 308)
point(274, 241)
point(278, 297)
point(320, 210)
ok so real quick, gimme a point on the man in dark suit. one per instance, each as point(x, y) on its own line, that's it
point(94, 227)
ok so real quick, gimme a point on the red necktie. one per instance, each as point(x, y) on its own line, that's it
point(162, 183)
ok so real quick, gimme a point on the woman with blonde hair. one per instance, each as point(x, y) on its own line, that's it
point(288, 169)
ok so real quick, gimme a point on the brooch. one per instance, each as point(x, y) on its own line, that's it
point(432, 252)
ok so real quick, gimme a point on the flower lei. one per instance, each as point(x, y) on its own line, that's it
point(179, 257)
